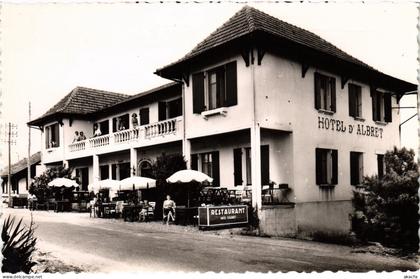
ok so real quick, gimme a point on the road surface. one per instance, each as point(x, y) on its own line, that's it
point(113, 245)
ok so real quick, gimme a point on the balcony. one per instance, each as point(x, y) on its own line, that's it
point(154, 133)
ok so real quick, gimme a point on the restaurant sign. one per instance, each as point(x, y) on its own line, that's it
point(210, 216)
point(337, 125)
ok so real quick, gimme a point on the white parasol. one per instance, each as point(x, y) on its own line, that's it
point(137, 183)
point(188, 176)
point(104, 184)
point(63, 182)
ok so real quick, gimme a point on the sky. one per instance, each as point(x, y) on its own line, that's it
point(48, 49)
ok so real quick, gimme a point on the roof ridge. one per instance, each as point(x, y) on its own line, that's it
point(72, 93)
point(250, 17)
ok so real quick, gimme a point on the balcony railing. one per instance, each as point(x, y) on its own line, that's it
point(77, 146)
point(149, 131)
point(99, 141)
point(161, 128)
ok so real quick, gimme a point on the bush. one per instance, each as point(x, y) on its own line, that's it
point(18, 246)
point(386, 209)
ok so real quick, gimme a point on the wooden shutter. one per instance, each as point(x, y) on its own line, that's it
point(318, 166)
point(144, 116)
point(194, 161)
point(354, 167)
point(220, 83)
point(162, 111)
point(334, 155)
point(317, 89)
point(375, 107)
point(380, 159)
point(237, 166)
point(198, 92)
point(215, 168)
point(231, 84)
point(333, 95)
point(352, 100)
point(265, 165)
point(388, 107)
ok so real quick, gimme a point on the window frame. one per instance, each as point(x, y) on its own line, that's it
point(355, 91)
point(357, 162)
point(48, 135)
point(326, 168)
point(325, 98)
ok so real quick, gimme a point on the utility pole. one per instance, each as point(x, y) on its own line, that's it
point(29, 151)
point(10, 135)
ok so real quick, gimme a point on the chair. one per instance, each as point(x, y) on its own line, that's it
point(51, 204)
point(167, 216)
point(119, 205)
point(266, 194)
point(151, 210)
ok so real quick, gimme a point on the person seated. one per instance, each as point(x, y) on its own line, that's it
point(134, 120)
point(82, 136)
point(97, 132)
point(143, 211)
point(168, 210)
point(76, 136)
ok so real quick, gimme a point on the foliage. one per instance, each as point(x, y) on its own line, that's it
point(163, 167)
point(39, 186)
point(18, 246)
point(386, 209)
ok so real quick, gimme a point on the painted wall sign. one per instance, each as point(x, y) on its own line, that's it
point(222, 215)
point(337, 125)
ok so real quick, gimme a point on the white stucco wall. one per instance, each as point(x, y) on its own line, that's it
point(291, 100)
point(237, 117)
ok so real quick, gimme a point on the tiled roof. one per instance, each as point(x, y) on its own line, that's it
point(82, 101)
point(21, 165)
point(249, 20)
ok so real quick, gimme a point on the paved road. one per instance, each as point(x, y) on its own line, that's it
point(105, 245)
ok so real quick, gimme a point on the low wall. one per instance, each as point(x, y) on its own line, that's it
point(323, 219)
point(278, 220)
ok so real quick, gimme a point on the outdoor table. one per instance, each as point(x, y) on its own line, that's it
point(186, 215)
point(105, 209)
point(62, 206)
point(131, 212)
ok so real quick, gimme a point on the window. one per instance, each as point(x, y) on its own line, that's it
point(170, 109)
point(82, 177)
point(381, 165)
point(52, 136)
point(248, 166)
point(356, 168)
point(325, 93)
point(103, 127)
point(381, 106)
point(144, 116)
point(237, 166)
point(326, 166)
point(215, 88)
point(104, 172)
point(207, 163)
point(120, 123)
point(355, 100)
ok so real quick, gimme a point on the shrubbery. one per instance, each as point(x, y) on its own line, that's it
point(39, 186)
point(386, 209)
point(18, 246)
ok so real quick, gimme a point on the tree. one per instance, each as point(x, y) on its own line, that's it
point(386, 209)
point(165, 166)
point(39, 186)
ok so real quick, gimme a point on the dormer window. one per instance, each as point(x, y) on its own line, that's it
point(215, 88)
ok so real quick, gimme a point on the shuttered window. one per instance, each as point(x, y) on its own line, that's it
point(237, 166)
point(215, 88)
point(325, 92)
point(381, 165)
point(144, 116)
point(355, 100)
point(207, 163)
point(381, 106)
point(356, 168)
point(265, 165)
point(52, 136)
point(326, 165)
